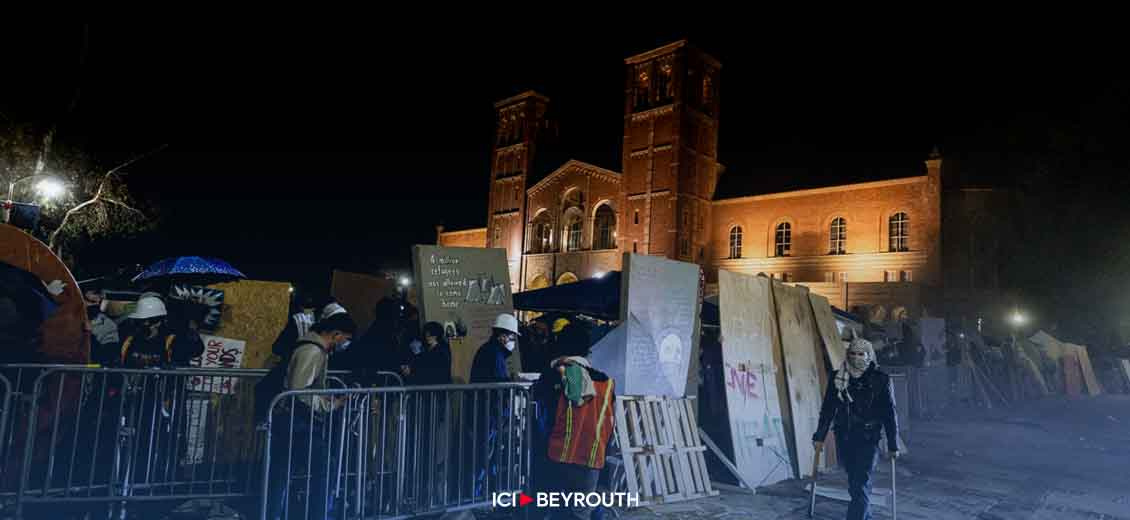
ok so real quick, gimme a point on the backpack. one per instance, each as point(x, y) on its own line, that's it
point(273, 384)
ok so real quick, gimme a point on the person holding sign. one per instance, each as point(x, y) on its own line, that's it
point(860, 403)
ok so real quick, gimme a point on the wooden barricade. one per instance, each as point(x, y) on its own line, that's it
point(663, 455)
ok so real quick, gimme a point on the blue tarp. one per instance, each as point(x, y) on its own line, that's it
point(596, 297)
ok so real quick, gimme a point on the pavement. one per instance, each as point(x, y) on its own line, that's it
point(1057, 458)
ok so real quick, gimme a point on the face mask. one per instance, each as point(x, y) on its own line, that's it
point(416, 347)
point(511, 345)
point(858, 362)
point(344, 345)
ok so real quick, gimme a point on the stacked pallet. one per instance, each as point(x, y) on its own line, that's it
point(663, 455)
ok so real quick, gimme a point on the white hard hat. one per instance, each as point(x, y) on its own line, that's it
point(507, 322)
point(148, 307)
point(332, 308)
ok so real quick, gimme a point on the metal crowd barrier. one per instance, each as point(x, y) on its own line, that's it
point(394, 452)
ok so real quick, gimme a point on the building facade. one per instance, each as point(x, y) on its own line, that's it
point(866, 246)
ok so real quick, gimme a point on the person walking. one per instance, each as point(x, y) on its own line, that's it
point(860, 405)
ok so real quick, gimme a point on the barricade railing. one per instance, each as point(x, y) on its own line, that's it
point(5, 409)
point(394, 452)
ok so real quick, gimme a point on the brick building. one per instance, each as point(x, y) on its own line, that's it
point(870, 246)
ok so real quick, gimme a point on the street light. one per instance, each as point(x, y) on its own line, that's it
point(405, 281)
point(1017, 318)
point(49, 187)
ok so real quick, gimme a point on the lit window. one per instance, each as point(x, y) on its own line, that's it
point(573, 234)
point(736, 242)
point(784, 239)
point(838, 245)
point(899, 231)
point(605, 228)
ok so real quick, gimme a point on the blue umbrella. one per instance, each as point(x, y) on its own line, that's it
point(189, 266)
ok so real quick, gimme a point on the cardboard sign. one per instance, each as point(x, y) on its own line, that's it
point(218, 353)
point(464, 289)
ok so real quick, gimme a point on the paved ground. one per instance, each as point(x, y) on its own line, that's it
point(1060, 459)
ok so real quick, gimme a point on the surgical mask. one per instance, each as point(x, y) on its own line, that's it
point(511, 345)
point(344, 345)
point(415, 346)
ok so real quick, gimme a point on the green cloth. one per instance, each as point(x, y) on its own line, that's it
point(574, 384)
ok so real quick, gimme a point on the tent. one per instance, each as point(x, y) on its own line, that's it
point(596, 297)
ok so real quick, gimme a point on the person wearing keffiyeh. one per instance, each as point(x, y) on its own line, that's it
point(859, 405)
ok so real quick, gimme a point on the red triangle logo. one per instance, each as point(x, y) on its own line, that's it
point(524, 499)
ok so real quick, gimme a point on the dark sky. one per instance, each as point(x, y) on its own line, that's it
point(298, 145)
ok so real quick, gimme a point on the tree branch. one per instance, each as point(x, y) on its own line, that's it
point(98, 195)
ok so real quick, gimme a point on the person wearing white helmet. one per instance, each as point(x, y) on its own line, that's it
point(489, 365)
point(859, 404)
point(152, 343)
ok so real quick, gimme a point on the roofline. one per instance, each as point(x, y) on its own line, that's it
point(830, 189)
point(653, 53)
point(573, 162)
point(524, 95)
point(465, 231)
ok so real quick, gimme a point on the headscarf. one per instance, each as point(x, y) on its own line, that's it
point(848, 372)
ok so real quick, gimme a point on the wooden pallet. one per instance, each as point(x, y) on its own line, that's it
point(662, 453)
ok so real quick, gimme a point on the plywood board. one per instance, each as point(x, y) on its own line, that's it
point(826, 322)
point(254, 312)
point(359, 294)
point(1072, 375)
point(660, 304)
point(465, 289)
point(761, 451)
point(1091, 382)
point(65, 333)
point(800, 343)
point(1125, 364)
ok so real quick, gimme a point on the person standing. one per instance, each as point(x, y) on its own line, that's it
point(489, 364)
point(151, 343)
point(860, 404)
point(104, 340)
point(300, 425)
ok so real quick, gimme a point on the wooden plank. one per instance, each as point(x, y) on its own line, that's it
point(623, 435)
point(680, 459)
point(826, 323)
point(750, 364)
point(1089, 379)
point(799, 342)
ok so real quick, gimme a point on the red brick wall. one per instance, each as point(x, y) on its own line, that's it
point(468, 238)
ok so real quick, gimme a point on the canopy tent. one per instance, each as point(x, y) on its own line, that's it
point(596, 297)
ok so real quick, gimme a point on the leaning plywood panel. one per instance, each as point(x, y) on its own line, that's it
point(800, 343)
point(826, 322)
point(1092, 382)
point(359, 294)
point(761, 451)
point(660, 304)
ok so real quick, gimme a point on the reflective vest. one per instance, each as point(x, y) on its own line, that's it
point(168, 348)
point(580, 433)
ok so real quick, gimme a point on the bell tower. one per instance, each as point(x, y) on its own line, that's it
point(670, 160)
point(520, 122)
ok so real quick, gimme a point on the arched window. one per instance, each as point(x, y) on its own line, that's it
point(838, 244)
point(899, 232)
point(541, 242)
point(736, 242)
point(784, 239)
point(573, 232)
point(497, 239)
point(566, 278)
point(605, 228)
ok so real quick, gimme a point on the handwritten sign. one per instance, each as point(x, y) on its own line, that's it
point(463, 289)
point(218, 353)
point(661, 308)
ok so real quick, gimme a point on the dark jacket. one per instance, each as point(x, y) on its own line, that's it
point(167, 348)
point(431, 367)
point(872, 409)
point(489, 365)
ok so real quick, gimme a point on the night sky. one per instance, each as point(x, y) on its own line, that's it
point(299, 145)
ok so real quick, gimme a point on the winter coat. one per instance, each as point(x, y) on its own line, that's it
point(489, 365)
point(872, 409)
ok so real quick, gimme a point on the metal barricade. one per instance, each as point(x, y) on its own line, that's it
point(98, 438)
point(395, 452)
point(5, 408)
